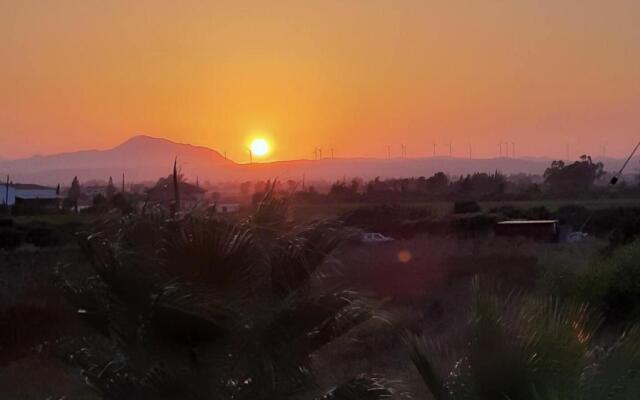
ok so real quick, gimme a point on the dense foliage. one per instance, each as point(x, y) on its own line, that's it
point(530, 348)
point(204, 308)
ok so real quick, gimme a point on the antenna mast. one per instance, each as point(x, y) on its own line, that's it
point(615, 178)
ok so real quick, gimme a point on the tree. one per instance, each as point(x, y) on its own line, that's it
point(437, 183)
point(203, 308)
point(111, 189)
point(75, 191)
point(245, 188)
point(574, 178)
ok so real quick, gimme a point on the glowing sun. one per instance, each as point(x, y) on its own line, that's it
point(259, 147)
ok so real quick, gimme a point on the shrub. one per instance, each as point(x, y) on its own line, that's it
point(389, 219)
point(10, 238)
point(211, 308)
point(610, 284)
point(466, 207)
point(6, 223)
point(531, 348)
point(473, 225)
point(573, 215)
point(42, 237)
point(614, 284)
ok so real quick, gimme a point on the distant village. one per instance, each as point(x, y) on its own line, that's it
point(96, 197)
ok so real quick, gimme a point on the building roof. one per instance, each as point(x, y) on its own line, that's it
point(29, 186)
point(529, 222)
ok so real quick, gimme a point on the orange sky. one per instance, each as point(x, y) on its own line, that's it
point(355, 75)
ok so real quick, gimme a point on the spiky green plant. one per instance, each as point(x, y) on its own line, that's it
point(527, 348)
point(205, 308)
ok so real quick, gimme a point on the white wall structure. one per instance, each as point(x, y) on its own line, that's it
point(7, 200)
point(25, 192)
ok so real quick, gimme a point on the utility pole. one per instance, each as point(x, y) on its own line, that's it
point(513, 152)
point(250, 156)
point(388, 152)
point(176, 187)
point(470, 152)
point(6, 194)
point(434, 149)
point(450, 150)
point(332, 152)
point(123, 182)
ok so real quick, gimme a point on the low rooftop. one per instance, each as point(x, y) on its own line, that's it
point(529, 222)
point(29, 186)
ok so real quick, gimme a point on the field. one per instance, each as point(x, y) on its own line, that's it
point(441, 208)
point(420, 285)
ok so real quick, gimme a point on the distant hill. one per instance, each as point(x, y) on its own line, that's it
point(141, 158)
point(145, 158)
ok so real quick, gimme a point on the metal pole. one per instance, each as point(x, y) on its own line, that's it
point(614, 180)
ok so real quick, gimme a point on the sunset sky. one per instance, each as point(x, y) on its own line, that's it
point(355, 75)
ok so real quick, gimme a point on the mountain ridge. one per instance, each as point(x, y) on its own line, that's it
point(146, 158)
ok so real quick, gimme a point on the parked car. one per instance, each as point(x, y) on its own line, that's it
point(577, 237)
point(374, 237)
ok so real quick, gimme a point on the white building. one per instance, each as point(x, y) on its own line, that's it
point(25, 192)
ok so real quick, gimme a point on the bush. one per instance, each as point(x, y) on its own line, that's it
point(42, 237)
point(611, 285)
point(10, 238)
point(573, 215)
point(6, 222)
point(511, 212)
point(183, 300)
point(473, 225)
point(466, 207)
point(388, 219)
point(615, 284)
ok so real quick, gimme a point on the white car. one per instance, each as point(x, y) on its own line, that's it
point(577, 237)
point(374, 237)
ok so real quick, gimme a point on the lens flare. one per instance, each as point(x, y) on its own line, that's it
point(404, 256)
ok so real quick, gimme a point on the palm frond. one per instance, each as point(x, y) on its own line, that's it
point(363, 387)
point(417, 347)
point(271, 211)
point(297, 256)
point(615, 372)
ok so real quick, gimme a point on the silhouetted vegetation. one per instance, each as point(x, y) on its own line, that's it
point(521, 347)
point(186, 303)
point(580, 179)
point(610, 284)
point(574, 178)
point(207, 308)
